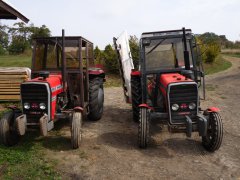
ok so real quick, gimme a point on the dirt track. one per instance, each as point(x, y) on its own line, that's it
point(109, 149)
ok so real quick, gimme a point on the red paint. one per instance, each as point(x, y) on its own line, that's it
point(170, 78)
point(167, 79)
point(183, 106)
point(146, 106)
point(213, 109)
point(96, 71)
point(55, 83)
point(135, 73)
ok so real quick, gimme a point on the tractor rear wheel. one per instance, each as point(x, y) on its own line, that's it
point(76, 129)
point(213, 140)
point(136, 96)
point(96, 98)
point(8, 133)
point(143, 128)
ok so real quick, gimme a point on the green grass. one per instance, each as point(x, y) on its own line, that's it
point(220, 64)
point(113, 81)
point(26, 160)
point(237, 55)
point(15, 61)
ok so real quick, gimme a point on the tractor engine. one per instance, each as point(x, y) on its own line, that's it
point(181, 95)
point(39, 97)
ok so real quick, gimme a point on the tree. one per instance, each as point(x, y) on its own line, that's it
point(134, 47)
point(3, 39)
point(110, 59)
point(42, 31)
point(98, 55)
point(22, 36)
point(210, 45)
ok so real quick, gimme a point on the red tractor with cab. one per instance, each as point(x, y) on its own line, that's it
point(64, 84)
point(166, 88)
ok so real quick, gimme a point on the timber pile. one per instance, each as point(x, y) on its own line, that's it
point(10, 80)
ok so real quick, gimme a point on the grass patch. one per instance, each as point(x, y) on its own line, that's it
point(26, 160)
point(237, 55)
point(113, 80)
point(15, 61)
point(220, 64)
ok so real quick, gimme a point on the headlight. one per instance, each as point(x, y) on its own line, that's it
point(192, 106)
point(42, 106)
point(26, 106)
point(175, 107)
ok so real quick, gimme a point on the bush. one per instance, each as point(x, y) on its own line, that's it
point(211, 53)
point(110, 60)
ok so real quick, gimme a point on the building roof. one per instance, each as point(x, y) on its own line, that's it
point(8, 12)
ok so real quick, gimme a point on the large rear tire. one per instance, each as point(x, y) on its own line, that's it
point(76, 130)
point(213, 140)
point(143, 128)
point(96, 99)
point(8, 133)
point(136, 96)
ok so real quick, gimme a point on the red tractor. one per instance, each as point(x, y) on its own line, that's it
point(166, 88)
point(64, 84)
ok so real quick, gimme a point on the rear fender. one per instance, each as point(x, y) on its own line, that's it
point(135, 73)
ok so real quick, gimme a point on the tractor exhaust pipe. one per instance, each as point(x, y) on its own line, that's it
point(63, 62)
point(186, 53)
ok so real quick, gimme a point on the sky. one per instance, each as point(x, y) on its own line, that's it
point(101, 20)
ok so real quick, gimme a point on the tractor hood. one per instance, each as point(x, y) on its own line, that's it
point(54, 81)
point(53, 86)
point(167, 79)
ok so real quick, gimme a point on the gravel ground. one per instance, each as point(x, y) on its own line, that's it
point(109, 148)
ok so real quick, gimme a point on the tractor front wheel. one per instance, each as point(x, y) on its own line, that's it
point(96, 98)
point(213, 140)
point(8, 133)
point(143, 128)
point(76, 129)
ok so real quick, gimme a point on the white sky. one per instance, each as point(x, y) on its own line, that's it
point(100, 20)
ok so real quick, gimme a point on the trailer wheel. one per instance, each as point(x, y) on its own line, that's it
point(213, 140)
point(136, 96)
point(8, 133)
point(96, 99)
point(143, 128)
point(76, 130)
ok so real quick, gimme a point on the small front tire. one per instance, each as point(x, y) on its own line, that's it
point(143, 128)
point(76, 130)
point(213, 140)
point(8, 133)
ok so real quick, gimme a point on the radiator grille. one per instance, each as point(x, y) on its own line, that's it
point(183, 95)
point(34, 94)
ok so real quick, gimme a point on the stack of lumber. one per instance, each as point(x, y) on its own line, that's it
point(10, 80)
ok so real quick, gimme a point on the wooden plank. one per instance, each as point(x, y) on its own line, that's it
point(9, 97)
point(11, 82)
point(13, 73)
point(8, 93)
point(13, 76)
point(9, 90)
point(10, 85)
